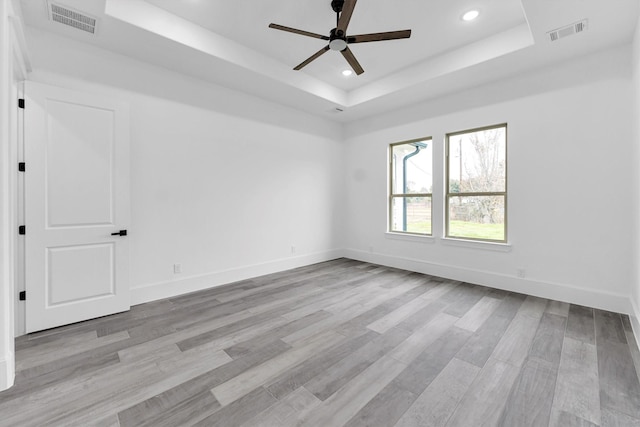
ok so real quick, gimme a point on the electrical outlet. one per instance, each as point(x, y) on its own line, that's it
point(521, 273)
point(293, 249)
point(177, 268)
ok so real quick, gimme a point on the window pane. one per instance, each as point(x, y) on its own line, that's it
point(477, 161)
point(479, 217)
point(411, 214)
point(414, 158)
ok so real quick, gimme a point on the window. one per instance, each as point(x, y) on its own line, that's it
point(476, 184)
point(411, 185)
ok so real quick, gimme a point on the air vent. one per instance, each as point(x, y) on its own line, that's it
point(72, 18)
point(569, 30)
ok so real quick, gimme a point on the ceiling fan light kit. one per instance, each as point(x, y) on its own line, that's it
point(338, 38)
point(338, 44)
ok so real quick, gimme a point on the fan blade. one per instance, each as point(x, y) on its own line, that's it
point(295, 31)
point(377, 37)
point(312, 58)
point(348, 55)
point(345, 15)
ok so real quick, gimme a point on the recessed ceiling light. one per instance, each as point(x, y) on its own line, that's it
point(471, 15)
point(347, 73)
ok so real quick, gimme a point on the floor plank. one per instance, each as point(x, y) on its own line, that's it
point(580, 324)
point(547, 343)
point(162, 405)
point(394, 318)
point(286, 411)
point(340, 407)
point(240, 410)
point(240, 385)
point(478, 314)
point(486, 398)
point(619, 386)
point(609, 327)
point(339, 374)
point(427, 366)
point(516, 341)
point(577, 387)
point(558, 308)
point(480, 346)
point(319, 364)
point(616, 419)
point(565, 419)
point(384, 409)
point(438, 401)
point(529, 403)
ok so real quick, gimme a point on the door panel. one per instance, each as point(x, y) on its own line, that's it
point(66, 283)
point(92, 141)
point(76, 195)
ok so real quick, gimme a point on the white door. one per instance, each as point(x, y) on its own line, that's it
point(76, 198)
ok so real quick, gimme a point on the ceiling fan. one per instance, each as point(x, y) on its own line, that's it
point(338, 38)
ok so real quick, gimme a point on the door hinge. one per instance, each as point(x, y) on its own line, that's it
point(21, 167)
point(22, 229)
point(23, 295)
point(21, 103)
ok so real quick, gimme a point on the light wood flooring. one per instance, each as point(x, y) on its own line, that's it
point(333, 344)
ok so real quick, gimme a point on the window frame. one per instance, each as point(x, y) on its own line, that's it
point(392, 195)
point(448, 195)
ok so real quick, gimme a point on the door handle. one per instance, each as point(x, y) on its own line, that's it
point(120, 233)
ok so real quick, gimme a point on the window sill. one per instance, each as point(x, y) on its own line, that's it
point(473, 244)
point(409, 237)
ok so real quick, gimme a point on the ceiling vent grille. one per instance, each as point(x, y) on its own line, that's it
point(569, 30)
point(72, 18)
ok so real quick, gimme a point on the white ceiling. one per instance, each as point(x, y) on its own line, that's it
point(228, 42)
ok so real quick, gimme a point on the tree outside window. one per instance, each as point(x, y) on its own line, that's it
point(477, 184)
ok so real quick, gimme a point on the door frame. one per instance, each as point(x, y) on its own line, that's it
point(22, 67)
point(15, 65)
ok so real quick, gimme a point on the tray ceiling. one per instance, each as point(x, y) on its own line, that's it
point(229, 43)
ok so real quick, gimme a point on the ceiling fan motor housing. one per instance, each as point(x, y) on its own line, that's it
point(337, 5)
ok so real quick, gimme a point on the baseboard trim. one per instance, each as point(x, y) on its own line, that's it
point(557, 291)
point(634, 316)
point(7, 375)
point(160, 290)
point(561, 292)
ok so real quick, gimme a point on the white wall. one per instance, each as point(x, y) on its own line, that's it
point(222, 182)
point(570, 183)
point(635, 291)
point(569, 177)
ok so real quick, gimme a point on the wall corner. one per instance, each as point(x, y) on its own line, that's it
point(7, 369)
